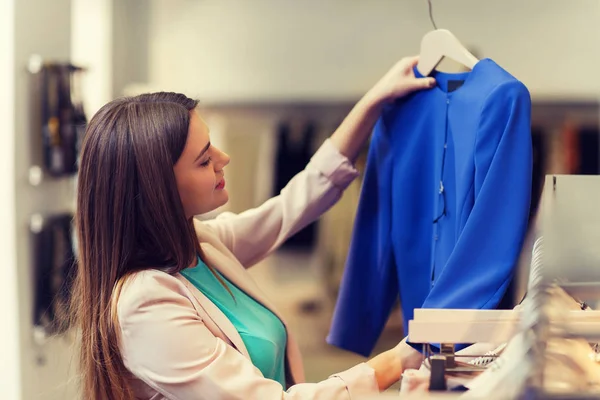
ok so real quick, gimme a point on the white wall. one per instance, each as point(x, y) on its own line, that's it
point(110, 38)
point(92, 47)
point(269, 49)
point(10, 365)
point(40, 27)
point(129, 43)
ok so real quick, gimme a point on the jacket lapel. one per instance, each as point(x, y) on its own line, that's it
point(217, 316)
point(219, 257)
point(237, 274)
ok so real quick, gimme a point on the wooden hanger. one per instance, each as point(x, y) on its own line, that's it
point(441, 43)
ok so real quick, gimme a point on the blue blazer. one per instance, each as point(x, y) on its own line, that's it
point(444, 204)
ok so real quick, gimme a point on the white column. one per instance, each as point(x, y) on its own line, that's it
point(10, 366)
point(92, 47)
point(28, 369)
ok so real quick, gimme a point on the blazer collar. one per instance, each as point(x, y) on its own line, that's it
point(230, 267)
point(236, 274)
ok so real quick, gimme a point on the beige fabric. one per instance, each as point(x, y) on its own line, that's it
point(179, 345)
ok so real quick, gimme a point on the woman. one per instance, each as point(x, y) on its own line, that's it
point(164, 303)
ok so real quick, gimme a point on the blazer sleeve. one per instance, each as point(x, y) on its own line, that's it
point(166, 344)
point(369, 285)
point(479, 269)
point(254, 234)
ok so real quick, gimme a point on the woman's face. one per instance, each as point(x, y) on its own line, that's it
point(199, 171)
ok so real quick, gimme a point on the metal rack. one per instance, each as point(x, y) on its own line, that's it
point(571, 228)
point(560, 301)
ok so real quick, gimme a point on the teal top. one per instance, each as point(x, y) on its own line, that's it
point(263, 333)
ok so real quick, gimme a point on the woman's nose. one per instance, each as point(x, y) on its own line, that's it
point(222, 160)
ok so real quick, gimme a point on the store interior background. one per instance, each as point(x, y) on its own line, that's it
point(256, 65)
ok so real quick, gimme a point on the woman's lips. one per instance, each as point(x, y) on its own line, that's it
point(220, 185)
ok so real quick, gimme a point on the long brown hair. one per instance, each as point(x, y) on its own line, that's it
point(129, 217)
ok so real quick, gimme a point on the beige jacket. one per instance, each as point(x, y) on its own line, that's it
point(178, 345)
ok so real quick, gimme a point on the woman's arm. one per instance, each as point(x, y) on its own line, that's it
point(352, 134)
point(165, 343)
point(387, 367)
point(254, 234)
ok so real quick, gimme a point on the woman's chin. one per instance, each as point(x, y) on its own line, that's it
point(223, 197)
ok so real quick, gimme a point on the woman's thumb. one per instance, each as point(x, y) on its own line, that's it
point(425, 83)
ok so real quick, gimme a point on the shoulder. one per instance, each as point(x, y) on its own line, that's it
point(204, 231)
point(210, 231)
point(502, 84)
point(144, 290)
point(509, 91)
point(508, 98)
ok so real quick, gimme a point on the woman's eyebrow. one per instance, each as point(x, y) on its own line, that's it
point(203, 151)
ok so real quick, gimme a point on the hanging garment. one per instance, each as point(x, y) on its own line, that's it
point(570, 138)
point(294, 150)
point(588, 151)
point(63, 118)
point(54, 264)
point(539, 142)
point(444, 204)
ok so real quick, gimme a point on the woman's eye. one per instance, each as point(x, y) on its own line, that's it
point(205, 163)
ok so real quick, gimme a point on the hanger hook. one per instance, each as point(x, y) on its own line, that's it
point(431, 14)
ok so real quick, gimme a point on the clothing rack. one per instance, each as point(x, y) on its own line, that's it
point(570, 263)
point(552, 113)
point(450, 326)
point(563, 290)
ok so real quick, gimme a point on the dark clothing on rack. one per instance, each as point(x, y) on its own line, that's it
point(294, 151)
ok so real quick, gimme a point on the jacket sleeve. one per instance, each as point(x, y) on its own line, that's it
point(165, 344)
point(254, 234)
point(369, 285)
point(480, 268)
